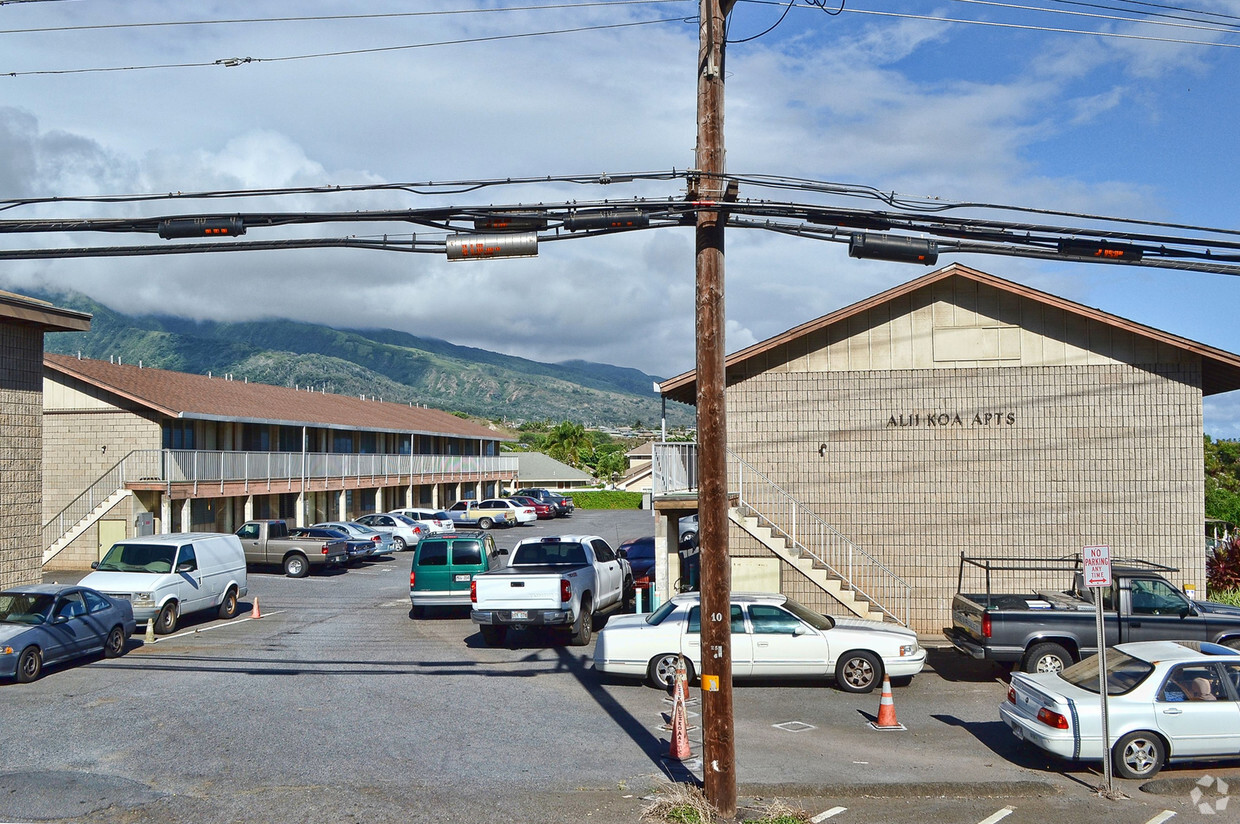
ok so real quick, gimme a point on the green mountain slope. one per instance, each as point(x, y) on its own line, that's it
point(391, 365)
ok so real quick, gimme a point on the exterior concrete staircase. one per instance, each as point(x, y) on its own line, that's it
point(817, 572)
point(69, 536)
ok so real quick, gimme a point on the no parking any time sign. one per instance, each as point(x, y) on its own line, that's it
point(1097, 561)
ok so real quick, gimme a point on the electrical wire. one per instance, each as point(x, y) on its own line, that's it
point(238, 61)
point(331, 17)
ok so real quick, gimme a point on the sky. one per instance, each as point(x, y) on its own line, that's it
point(1135, 117)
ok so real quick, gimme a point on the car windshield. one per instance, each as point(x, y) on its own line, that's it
point(1123, 673)
point(25, 607)
point(815, 619)
point(138, 558)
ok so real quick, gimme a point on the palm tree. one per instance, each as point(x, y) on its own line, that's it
point(568, 442)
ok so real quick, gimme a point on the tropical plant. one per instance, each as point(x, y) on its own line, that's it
point(1223, 567)
point(568, 442)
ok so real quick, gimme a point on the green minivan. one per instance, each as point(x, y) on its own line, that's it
point(445, 564)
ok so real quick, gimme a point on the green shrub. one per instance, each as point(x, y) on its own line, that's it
point(1226, 596)
point(605, 499)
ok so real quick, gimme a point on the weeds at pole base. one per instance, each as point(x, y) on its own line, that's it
point(686, 804)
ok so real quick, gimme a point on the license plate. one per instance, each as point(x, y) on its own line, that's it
point(464, 577)
point(520, 615)
point(1018, 732)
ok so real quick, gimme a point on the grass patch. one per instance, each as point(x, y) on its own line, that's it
point(1226, 596)
point(686, 804)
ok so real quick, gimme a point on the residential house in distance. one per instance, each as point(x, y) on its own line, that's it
point(131, 450)
point(637, 478)
point(23, 322)
point(538, 470)
point(958, 412)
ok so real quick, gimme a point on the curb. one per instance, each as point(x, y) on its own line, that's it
point(936, 789)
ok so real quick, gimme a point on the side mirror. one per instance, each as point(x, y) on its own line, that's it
point(622, 553)
point(800, 630)
point(186, 566)
point(60, 619)
point(502, 551)
point(94, 564)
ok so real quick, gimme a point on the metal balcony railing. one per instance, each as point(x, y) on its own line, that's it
point(268, 472)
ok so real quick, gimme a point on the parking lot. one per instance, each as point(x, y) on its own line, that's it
point(337, 705)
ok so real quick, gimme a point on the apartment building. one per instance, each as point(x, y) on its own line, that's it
point(129, 450)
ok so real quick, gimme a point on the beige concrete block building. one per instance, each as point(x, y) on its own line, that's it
point(957, 413)
point(23, 322)
point(129, 450)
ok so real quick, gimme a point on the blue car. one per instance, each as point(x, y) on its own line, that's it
point(48, 623)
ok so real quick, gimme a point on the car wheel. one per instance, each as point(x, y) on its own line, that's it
point(1139, 755)
point(166, 621)
point(485, 523)
point(858, 671)
point(492, 635)
point(114, 647)
point(661, 672)
point(228, 607)
point(629, 599)
point(296, 566)
point(398, 544)
point(584, 630)
point(1047, 658)
point(29, 665)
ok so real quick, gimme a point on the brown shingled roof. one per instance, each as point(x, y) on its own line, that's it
point(1220, 370)
point(182, 395)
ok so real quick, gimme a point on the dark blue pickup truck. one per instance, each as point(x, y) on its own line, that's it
point(1047, 630)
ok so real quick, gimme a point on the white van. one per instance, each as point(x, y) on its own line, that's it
point(166, 576)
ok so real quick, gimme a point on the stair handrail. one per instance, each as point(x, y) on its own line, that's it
point(859, 570)
point(108, 484)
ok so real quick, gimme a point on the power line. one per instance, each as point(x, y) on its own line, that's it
point(238, 61)
point(326, 17)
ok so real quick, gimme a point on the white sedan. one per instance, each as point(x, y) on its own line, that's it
point(773, 636)
point(517, 513)
point(1166, 701)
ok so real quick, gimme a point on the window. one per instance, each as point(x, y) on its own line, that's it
point(70, 605)
point(602, 551)
point(771, 620)
point(1123, 673)
point(248, 532)
point(186, 556)
point(466, 552)
point(94, 601)
point(738, 620)
point(433, 553)
point(179, 435)
point(1156, 597)
point(1192, 682)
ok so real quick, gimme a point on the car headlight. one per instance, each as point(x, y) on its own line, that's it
point(142, 599)
point(6, 650)
point(908, 649)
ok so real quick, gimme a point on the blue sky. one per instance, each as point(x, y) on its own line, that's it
point(1087, 123)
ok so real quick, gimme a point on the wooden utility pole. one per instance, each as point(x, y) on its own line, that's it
point(718, 744)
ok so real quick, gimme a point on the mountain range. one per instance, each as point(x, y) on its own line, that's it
point(384, 363)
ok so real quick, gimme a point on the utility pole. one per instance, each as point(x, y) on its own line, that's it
point(718, 740)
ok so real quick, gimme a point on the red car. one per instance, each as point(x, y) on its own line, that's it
point(543, 511)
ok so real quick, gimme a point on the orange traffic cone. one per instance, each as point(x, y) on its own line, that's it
point(679, 749)
point(681, 685)
point(887, 710)
point(254, 612)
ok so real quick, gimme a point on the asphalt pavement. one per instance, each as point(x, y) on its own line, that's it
point(336, 705)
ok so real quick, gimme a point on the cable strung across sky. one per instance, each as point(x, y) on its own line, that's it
point(917, 233)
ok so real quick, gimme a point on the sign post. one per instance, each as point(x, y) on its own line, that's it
point(1096, 561)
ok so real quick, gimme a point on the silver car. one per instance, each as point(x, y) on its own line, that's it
point(1167, 701)
point(406, 534)
point(382, 541)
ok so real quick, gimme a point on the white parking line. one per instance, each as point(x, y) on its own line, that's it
point(1161, 817)
point(831, 813)
point(216, 626)
point(999, 816)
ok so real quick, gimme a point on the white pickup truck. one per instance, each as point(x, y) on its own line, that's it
point(572, 581)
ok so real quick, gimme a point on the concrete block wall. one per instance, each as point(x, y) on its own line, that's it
point(21, 453)
point(80, 446)
point(916, 466)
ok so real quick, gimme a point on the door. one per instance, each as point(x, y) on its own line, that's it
point(190, 590)
point(70, 634)
point(433, 575)
point(1197, 712)
point(1160, 612)
point(742, 642)
point(466, 562)
point(609, 571)
point(784, 645)
point(110, 532)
